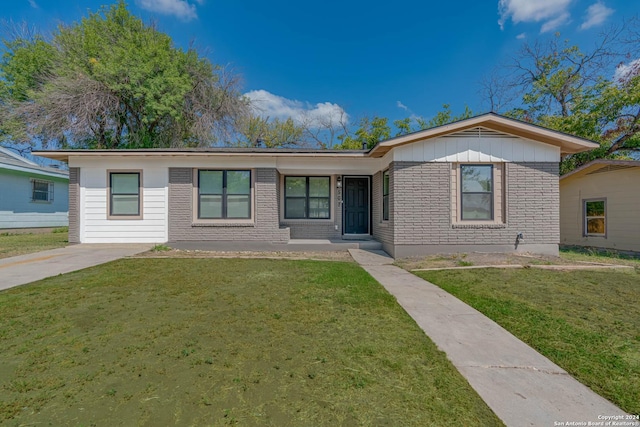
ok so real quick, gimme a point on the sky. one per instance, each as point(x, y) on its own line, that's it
point(322, 59)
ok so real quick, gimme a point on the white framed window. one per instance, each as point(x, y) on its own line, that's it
point(125, 195)
point(224, 194)
point(307, 197)
point(595, 217)
point(476, 193)
point(41, 191)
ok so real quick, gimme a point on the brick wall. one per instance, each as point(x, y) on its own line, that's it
point(74, 205)
point(318, 229)
point(422, 207)
point(265, 226)
point(382, 230)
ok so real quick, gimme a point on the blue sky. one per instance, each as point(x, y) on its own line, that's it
point(392, 59)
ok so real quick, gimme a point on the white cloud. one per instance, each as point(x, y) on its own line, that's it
point(33, 4)
point(597, 13)
point(552, 13)
point(266, 104)
point(179, 8)
point(626, 71)
point(555, 23)
point(401, 105)
point(521, 36)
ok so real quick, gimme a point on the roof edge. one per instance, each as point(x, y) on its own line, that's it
point(588, 167)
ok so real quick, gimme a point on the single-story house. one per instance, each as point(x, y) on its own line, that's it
point(600, 205)
point(472, 185)
point(31, 196)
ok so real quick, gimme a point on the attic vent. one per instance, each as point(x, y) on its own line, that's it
point(478, 132)
point(610, 168)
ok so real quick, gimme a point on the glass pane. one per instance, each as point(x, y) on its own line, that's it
point(476, 206)
point(385, 183)
point(595, 226)
point(238, 207)
point(210, 182)
point(40, 186)
point(476, 178)
point(318, 208)
point(210, 206)
point(319, 187)
point(238, 182)
point(125, 183)
point(124, 204)
point(295, 208)
point(595, 208)
point(385, 208)
point(295, 186)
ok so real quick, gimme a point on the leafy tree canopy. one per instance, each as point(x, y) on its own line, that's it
point(111, 81)
point(592, 93)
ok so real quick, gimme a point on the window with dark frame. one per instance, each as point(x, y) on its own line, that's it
point(41, 191)
point(224, 194)
point(476, 192)
point(124, 194)
point(385, 195)
point(307, 197)
point(595, 217)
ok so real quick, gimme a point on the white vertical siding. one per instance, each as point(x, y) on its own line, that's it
point(96, 228)
point(477, 149)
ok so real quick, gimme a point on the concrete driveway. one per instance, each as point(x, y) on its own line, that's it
point(28, 268)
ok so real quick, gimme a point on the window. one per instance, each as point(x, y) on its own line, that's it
point(476, 192)
point(41, 191)
point(124, 195)
point(595, 215)
point(224, 194)
point(385, 195)
point(307, 197)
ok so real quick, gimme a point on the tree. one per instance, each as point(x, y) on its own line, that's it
point(255, 131)
point(110, 81)
point(374, 130)
point(367, 135)
point(562, 87)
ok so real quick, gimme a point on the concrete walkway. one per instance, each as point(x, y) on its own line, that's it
point(23, 269)
point(520, 385)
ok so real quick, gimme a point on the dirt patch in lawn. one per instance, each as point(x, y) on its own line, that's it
point(474, 259)
point(312, 255)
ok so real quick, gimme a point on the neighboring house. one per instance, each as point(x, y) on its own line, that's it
point(600, 205)
point(473, 185)
point(30, 195)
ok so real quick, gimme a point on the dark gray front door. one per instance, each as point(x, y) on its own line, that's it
point(356, 206)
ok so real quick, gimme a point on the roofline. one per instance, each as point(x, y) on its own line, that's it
point(64, 155)
point(17, 156)
point(587, 167)
point(35, 171)
point(568, 144)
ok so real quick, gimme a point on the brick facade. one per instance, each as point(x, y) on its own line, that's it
point(421, 210)
point(264, 227)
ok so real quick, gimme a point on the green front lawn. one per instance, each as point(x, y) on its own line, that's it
point(19, 244)
point(586, 322)
point(221, 342)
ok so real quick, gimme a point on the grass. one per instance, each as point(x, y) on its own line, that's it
point(586, 322)
point(222, 342)
point(581, 254)
point(20, 244)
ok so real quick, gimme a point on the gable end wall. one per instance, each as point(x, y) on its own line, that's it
point(422, 211)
